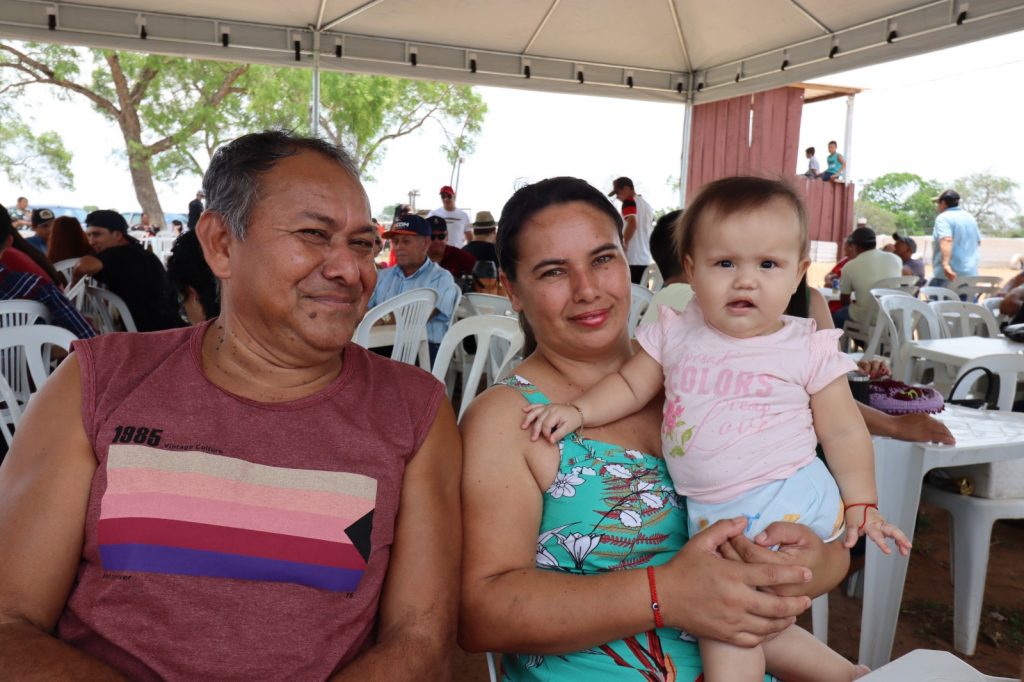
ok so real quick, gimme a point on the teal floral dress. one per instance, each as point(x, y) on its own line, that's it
point(609, 509)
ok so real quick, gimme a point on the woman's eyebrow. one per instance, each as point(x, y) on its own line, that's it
point(562, 261)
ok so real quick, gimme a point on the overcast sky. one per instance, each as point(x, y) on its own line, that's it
point(941, 115)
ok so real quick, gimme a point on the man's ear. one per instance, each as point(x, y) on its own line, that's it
point(217, 240)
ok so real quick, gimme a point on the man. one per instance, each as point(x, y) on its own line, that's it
point(676, 291)
point(867, 266)
point(144, 225)
point(637, 217)
point(251, 498)
point(20, 214)
point(42, 221)
point(836, 164)
point(15, 284)
point(457, 219)
point(410, 237)
point(195, 209)
point(128, 270)
point(955, 242)
point(905, 247)
point(485, 234)
point(455, 261)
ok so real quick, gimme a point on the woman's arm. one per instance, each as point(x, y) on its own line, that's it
point(510, 605)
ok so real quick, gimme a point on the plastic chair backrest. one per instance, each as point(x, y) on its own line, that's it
point(973, 286)
point(641, 299)
point(18, 313)
point(486, 329)
point(105, 303)
point(939, 294)
point(67, 267)
point(489, 304)
point(1007, 366)
point(11, 411)
point(652, 278)
point(960, 318)
point(33, 340)
point(904, 316)
point(411, 309)
point(903, 282)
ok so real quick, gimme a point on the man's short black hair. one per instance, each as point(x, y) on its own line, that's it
point(187, 267)
point(809, 150)
point(663, 250)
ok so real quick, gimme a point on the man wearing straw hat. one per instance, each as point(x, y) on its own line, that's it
point(485, 232)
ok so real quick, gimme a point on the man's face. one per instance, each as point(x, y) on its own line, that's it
point(144, 219)
point(623, 193)
point(44, 229)
point(902, 250)
point(448, 200)
point(438, 241)
point(23, 203)
point(410, 251)
point(101, 239)
point(301, 279)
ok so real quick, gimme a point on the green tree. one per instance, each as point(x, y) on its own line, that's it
point(163, 106)
point(364, 113)
point(990, 199)
point(906, 196)
point(28, 158)
point(879, 219)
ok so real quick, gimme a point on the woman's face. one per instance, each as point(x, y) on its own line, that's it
point(572, 279)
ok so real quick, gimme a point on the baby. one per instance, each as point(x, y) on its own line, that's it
point(749, 392)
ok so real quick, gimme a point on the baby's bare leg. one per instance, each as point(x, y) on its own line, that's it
point(726, 662)
point(796, 656)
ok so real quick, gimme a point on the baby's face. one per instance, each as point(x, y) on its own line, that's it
point(745, 267)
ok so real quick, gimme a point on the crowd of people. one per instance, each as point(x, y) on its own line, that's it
point(254, 495)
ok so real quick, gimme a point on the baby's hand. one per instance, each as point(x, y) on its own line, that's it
point(863, 520)
point(554, 421)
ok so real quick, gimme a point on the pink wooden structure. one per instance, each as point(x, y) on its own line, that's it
point(759, 134)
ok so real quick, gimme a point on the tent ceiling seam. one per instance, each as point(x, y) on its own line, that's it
point(679, 34)
point(351, 13)
point(540, 26)
point(817, 22)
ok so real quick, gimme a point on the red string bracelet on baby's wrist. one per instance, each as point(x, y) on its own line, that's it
point(866, 505)
point(658, 622)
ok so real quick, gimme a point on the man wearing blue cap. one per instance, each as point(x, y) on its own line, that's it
point(410, 239)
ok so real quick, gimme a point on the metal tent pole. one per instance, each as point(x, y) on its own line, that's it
point(684, 155)
point(314, 110)
point(848, 139)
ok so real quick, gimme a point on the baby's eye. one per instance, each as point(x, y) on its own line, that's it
point(769, 264)
point(725, 263)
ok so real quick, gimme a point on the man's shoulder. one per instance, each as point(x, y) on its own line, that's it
point(16, 284)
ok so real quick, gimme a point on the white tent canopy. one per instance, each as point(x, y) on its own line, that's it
point(646, 49)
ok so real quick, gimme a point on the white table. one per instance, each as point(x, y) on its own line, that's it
point(922, 664)
point(900, 466)
point(953, 353)
point(829, 293)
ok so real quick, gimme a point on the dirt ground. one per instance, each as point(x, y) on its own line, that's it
point(926, 613)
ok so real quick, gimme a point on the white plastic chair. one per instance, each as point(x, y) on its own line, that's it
point(11, 411)
point(641, 299)
point(104, 304)
point(906, 319)
point(25, 358)
point(992, 303)
point(652, 278)
point(960, 318)
point(879, 339)
point(867, 333)
point(67, 267)
point(971, 530)
point(939, 294)
point(907, 283)
point(411, 309)
point(486, 329)
point(489, 304)
point(18, 312)
point(973, 286)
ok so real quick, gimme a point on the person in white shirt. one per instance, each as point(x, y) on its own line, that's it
point(860, 274)
point(460, 228)
point(676, 291)
point(637, 217)
point(813, 167)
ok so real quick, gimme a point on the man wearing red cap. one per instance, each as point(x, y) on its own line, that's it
point(459, 230)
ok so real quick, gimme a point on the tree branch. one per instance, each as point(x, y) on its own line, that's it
point(34, 68)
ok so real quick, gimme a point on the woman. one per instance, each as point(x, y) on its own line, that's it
point(573, 555)
point(67, 240)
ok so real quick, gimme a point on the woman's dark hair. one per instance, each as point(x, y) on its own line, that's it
point(800, 301)
point(6, 227)
point(187, 267)
point(527, 202)
point(728, 196)
point(67, 240)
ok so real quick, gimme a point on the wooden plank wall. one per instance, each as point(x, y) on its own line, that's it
point(760, 134)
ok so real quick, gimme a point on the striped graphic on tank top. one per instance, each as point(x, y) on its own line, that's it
point(193, 513)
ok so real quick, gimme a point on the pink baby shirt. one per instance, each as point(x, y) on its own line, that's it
point(737, 411)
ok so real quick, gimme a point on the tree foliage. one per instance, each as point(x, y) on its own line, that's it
point(365, 113)
point(905, 196)
point(990, 199)
point(28, 158)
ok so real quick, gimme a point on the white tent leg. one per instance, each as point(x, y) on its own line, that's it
point(684, 155)
point(314, 109)
point(848, 139)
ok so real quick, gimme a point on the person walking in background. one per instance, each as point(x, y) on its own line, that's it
point(457, 219)
point(637, 216)
point(195, 209)
point(836, 164)
point(955, 240)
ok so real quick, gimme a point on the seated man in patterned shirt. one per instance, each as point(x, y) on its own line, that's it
point(23, 285)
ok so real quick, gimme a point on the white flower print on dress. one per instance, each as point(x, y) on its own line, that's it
point(563, 485)
point(618, 471)
point(579, 546)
